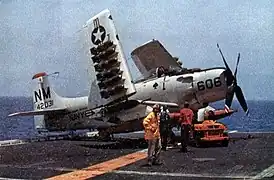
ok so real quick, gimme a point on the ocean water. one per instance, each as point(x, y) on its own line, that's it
point(260, 118)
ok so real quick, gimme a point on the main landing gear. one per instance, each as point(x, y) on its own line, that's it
point(104, 135)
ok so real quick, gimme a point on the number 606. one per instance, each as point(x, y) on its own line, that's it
point(209, 84)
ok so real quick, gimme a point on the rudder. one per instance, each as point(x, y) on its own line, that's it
point(44, 98)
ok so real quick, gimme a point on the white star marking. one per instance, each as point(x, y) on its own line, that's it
point(98, 35)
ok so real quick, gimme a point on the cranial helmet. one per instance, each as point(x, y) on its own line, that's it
point(186, 104)
point(156, 106)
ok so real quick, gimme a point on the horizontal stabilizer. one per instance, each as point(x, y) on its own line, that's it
point(39, 112)
point(151, 103)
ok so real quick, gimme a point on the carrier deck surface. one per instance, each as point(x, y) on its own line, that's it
point(248, 156)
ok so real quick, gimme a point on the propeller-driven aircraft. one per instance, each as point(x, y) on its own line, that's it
point(116, 103)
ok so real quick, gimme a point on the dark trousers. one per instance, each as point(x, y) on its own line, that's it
point(164, 136)
point(185, 128)
point(172, 137)
point(165, 133)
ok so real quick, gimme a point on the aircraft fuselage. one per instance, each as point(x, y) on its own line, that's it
point(197, 88)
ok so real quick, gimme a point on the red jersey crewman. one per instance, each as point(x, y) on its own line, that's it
point(185, 120)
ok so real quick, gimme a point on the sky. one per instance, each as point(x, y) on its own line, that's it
point(37, 36)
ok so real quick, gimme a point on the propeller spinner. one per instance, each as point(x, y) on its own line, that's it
point(232, 85)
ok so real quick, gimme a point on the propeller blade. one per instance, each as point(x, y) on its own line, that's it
point(226, 65)
point(241, 99)
point(229, 98)
point(235, 73)
point(229, 77)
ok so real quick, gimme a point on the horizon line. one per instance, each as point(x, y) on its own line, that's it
point(83, 96)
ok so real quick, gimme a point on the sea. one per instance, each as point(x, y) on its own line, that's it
point(259, 119)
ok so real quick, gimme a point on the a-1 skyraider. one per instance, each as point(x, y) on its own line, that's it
point(115, 102)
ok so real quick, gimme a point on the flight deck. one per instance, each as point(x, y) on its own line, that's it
point(248, 156)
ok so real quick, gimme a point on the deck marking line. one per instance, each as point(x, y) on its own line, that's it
point(268, 172)
point(3, 178)
point(203, 159)
point(235, 168)
point(102, 168)
point(180, 174)
point(36, 166)
point(57, 169)
point(26, 166)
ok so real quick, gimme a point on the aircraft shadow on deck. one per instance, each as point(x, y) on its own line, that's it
point(119, 144)
point(142, 144)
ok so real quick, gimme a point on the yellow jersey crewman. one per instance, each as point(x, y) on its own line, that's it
point(152, 135)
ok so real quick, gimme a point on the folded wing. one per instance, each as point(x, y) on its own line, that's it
point(108, 70)
point(151, 55)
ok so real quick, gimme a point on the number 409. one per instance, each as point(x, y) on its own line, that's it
point(209, 83)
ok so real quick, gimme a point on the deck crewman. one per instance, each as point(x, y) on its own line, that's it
point(185, 120)
point(152, 134)
point(164, 126)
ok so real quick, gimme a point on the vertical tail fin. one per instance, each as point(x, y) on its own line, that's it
point(48, 106)
point(44, 98)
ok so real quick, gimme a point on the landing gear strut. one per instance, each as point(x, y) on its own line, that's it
point(72, 133)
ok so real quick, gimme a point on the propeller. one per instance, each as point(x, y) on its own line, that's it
point(233, 88)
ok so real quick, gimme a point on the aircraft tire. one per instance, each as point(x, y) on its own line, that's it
point(197, 139)
point(197, 142)
point(104, 135)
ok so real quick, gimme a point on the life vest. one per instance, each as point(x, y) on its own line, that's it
point(186, 116)
point(151, 126)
